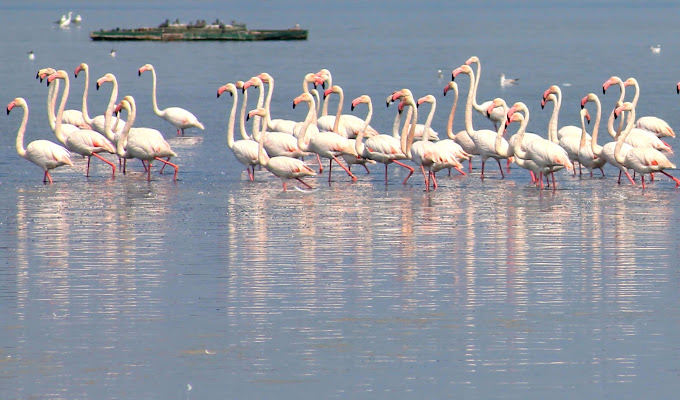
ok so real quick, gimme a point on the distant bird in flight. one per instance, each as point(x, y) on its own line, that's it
point(655, 49)
point(508, 81)
point(31, 55)
point(113, 53)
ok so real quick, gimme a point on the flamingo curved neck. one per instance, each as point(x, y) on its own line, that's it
point(109, 111)
point(505, 151)
point(242, 118)
point(428, 123)
point(622, 138)
point(359, 145)
point(338, 113)
point(154, 103)
point(52, 104)
point(121, 150)
point(86, 90)
point(468, 106)
point(20, 133)
point(517, 146)
point(324, 110)
point(476, 84)
point(232, 116)
point(302, 141)
point(449, 124)
point(596, 148)
point(64, 96)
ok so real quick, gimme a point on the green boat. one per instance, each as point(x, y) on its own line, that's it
point(176, 31)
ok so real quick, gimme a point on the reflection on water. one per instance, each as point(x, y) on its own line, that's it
point(495, 283)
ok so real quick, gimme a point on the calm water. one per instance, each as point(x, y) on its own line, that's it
point(216, 287)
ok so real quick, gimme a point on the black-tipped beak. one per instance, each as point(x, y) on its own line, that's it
point(139, 73)
point(604, 91)
point(97, 85)
point(352, 108)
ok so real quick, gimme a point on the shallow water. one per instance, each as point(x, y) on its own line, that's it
point(214, 285)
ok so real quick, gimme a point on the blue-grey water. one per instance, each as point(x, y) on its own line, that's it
point(217, 287)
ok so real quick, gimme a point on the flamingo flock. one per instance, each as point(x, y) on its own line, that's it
point(280, 145)
point(77, 133)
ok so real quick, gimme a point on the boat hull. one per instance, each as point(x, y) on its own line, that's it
point(170, 34)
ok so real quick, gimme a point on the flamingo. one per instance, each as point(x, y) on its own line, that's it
point(381, 148)
point(350, 125)
point(606, 152)
point(419, 132)
point(642, 160)
point(276, 125)
point(484, 139)
point(70, 117)
point(178, 117)
point(497, 116)
point(462, 137)
point(548, 156)
point(557, 134)
point(586, 156)
point(350, 158)
point(451, 144)
point(245, 150)
point(283, 167)
point(51, 103)
point(326, 144)
point(444, 155)
point(97, 123)
point(656, 125)
point(43, 153)
point(145, 144)
point(277, 143)
point(85, 142)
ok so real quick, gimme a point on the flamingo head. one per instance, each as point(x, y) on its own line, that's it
point(677, 88)
point(332, 89)
point(554, 89)
point(265, 78)
point(630, 82)
point(614, 80)
point(262, 112)
point(109, 77)
point(426, 99)
point(124, 104)
point(451, 86)
point(61, 74)
point(254, 81)
point(44, 72)
point(587, 98)
point(303, 97)
point(19, 101)
point(627, 106)
point(81, 67)
point(473, 59)
point(463, 68)
point(229, 87)
point(324, 76)
point(497, 102)
point(146, 67)
point(585, 114)
point(514, 117)
point(365, 99)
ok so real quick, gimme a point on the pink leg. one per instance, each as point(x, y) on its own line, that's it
point(470, 165)
point(354, 178)
point(483, 162)
point(642, 176)
point(166, 163)
point(47, 177)
point(408, 167)
point(304, 183)
point(460, 170)
point(87, 171)
point(500, 168)
point(677, 182)
point(113, 167)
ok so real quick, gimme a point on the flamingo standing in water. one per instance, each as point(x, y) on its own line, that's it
point(606, 152)
point(328, 145)
point(281, 166)
point(381, 148)
point(484, 140)
point(145, 144)
point(245, 150)
point(643, 160)
point(656, 125)
point(85, 142)
point(43, 153)
point(178, 117)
